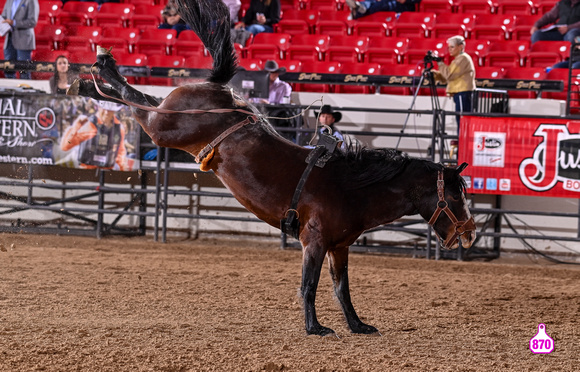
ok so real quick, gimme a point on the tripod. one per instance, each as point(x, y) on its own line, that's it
point(436, 107)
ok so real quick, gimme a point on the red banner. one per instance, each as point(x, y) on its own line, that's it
point(521, 156)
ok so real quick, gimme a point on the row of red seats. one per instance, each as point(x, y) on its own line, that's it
point(108, 15)
point(409, 24)
point(305, 47)
point(440, 6)
point(394, 50)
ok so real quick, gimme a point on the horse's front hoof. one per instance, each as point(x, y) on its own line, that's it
point(73, 90)
point(320, 331)
point(365, 329)
point(104, 51)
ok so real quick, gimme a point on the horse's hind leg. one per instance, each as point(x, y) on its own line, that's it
point(86, 88)
point(313, 257)
point(108, 71)
point(338, 263)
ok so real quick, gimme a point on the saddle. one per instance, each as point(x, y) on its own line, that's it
point(318, 157)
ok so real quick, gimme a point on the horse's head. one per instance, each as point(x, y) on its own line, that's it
point(447, 211)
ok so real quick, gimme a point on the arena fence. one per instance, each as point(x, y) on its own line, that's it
point(161, 193)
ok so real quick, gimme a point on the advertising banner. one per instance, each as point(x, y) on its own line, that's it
point(73, 132)
point(521, 156)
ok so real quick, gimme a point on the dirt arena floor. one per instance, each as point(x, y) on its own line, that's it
point(131, 304)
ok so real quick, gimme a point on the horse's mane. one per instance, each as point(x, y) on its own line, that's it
point(361, 166)
point(210, 19)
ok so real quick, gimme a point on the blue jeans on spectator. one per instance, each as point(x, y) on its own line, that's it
point(12, 54)
point(555, 35)
point(177, 27)
point(462, 103)
point(257, 28)
point(566, 64)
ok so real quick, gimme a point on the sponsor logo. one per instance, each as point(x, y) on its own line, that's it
point(555, 159)
point(478, 183)
point(491, 184)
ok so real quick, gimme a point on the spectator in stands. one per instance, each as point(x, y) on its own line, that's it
point(100, 137)
point(172, 20)
point(280, 91)
point(459, 75)
point(63, 76)
point(261, 16)
point(19, 42)
point(234, 6)
point(327, 116)
point(364, 8)
point(565, 17)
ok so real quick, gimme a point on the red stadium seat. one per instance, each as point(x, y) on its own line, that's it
point(334, 23)
point(477, 49)
point(308, 16)
point(292, 26)
point(162, 60)
point(115, 14)
point(386, 51)
point(543, 6)
point(279, 40)
point(507, 54)
point(515, 7)
point(411, 24)
point(252, 64)
point(82, 38)
point(263, 51)
point(155, 41)
point(322, 42)
point(49, 10)
point(474, 6)
point(120, 38)
point(358, 69)
point(346, 49)
point(189, 44)
point(326, 5)
point(437, 6)
point(489, 72)
point(377, 24)
point(304, 53)
point(547, 53)
point(451, 24)
point(80, 13)
point(199, 62)
point(49, 37)
point(147, 16)
point(290, 65)
point(522, 26)
point(491, 27)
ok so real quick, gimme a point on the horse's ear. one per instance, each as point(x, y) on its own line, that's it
point(461, 168)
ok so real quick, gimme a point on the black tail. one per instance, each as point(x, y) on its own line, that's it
point(210, 19)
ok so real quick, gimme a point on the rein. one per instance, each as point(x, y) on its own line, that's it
point(461, 227)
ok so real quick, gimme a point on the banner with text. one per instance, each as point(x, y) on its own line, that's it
point(521, 156)
point(74, 132)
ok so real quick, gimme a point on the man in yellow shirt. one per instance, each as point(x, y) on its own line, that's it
point(459, 75)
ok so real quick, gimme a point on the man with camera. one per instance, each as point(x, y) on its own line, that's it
point(459, 75)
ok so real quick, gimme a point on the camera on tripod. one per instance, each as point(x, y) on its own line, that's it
point(429, 57)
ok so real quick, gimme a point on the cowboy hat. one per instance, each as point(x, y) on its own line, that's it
point(272, 66)
point(327, 109)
